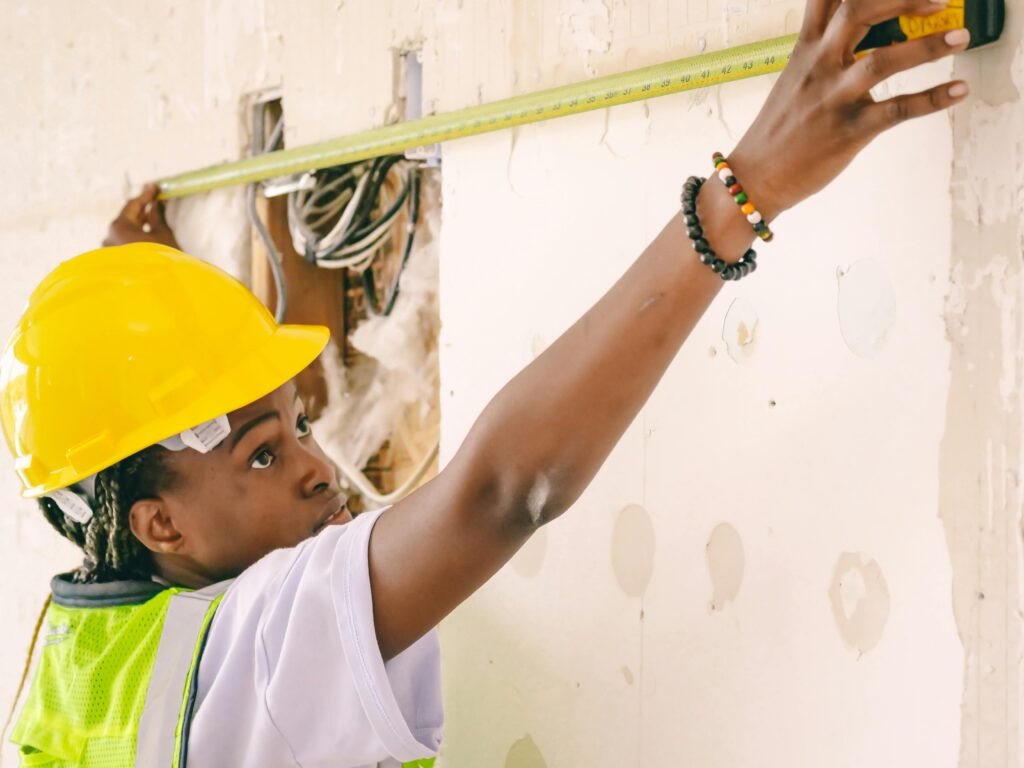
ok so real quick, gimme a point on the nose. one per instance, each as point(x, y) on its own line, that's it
point(317, 472)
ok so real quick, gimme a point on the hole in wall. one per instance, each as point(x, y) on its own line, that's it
point(353, 247)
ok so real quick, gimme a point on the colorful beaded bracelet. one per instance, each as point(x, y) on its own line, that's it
point(726, 271)
point(725, 173)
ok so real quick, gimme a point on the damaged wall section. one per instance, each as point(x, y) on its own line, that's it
point(982, 449)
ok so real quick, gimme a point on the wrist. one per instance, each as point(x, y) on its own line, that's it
point(725, 229)
point(757, 183)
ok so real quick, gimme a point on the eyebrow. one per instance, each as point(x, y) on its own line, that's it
point(244, 429)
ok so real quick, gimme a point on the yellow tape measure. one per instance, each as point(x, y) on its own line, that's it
point(687, 74)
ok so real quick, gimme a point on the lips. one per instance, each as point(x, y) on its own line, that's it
point(335, 513)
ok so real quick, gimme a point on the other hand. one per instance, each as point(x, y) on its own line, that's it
point(141, 220)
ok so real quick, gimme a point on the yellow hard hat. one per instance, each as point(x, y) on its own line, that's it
point(123, 347)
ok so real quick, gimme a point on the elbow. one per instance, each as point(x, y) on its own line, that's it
point(513, 504)
point(520, 491)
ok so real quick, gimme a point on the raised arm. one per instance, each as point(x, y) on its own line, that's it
point(544, 436)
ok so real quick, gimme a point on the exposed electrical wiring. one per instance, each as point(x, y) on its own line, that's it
point(369, 283)
point(342, 218)
point(358, 208)
point(274, 258)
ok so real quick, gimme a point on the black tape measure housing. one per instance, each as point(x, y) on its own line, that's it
point(983, 19)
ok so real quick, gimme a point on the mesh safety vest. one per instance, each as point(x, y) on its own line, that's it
point(117, 677)
point(116, 680)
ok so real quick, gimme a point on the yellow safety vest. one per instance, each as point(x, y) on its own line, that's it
point(117, 678)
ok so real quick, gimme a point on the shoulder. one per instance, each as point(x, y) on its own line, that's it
point(307, 567)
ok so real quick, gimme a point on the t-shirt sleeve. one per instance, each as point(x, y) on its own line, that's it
point(329, 692)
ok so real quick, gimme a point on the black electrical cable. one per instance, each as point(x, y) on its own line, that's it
point(369, 283)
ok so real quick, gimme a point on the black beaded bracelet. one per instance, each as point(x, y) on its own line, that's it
point(726, 271)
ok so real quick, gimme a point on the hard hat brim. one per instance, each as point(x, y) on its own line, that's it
point(288, 351)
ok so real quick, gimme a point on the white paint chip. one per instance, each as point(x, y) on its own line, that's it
point(588, 26)
point(867, 307)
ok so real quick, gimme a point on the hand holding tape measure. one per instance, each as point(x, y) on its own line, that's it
point(820, 113)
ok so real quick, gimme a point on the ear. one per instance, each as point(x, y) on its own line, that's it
point(152, 526)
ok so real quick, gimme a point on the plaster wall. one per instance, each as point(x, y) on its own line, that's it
point(806, 551)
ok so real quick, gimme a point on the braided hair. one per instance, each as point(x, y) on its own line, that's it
point(112, 552)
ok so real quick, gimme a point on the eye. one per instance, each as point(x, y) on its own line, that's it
point(262, 459)
point(303, 427)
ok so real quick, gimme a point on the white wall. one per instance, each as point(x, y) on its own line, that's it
point(848, 509)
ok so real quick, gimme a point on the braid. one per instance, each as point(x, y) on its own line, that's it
point(111, 550)
point(94, 549)
point(64, 525)
point(112, 502)
point(125, 551)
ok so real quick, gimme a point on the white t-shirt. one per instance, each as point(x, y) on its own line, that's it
point(292, 675)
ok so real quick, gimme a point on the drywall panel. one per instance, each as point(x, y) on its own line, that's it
point(759, 574)
point(981, 451)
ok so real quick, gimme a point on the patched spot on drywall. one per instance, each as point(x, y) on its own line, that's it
point(739, 331)
point(530, 559)
point(726, 564)
point(525, 754)
point(867, 307)
point(633, 550)
point(860, 601)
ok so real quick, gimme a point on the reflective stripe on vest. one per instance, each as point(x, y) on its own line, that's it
point(163, 727)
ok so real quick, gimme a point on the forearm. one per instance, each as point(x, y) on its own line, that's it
point(546, 434)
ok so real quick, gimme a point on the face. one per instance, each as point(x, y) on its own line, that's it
point(268, 485)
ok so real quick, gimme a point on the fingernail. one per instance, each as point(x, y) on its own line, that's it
point(957, 37)
point(957, 90)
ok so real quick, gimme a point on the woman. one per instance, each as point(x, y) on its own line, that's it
point(227, 610)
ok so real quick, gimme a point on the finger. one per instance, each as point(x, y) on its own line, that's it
point(816, 18)
point(135, 207)
point(885, 114)
point(155, 216)
point(851, 22)
point(882, 63)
